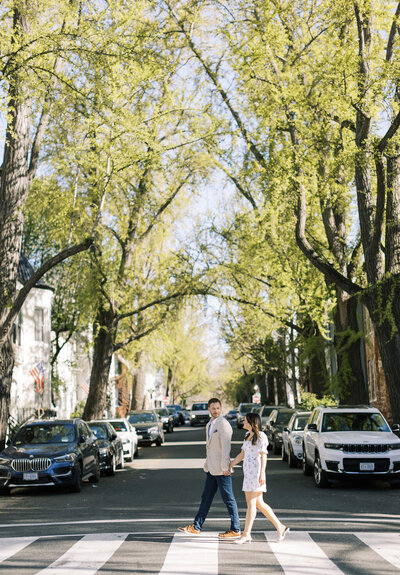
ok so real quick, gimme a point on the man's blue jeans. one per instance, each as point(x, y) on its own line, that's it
point(212, 484)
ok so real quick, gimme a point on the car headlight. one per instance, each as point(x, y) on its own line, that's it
point(4, 461)
point(192, 416)
point(66, 457)
point(153, 429)
point(279, 434)
point(336, 446)
point(103, 450)
point(392, 447)
point(164, 419)
point(297, 440)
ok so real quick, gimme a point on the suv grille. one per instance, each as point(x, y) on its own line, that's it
point(353, 465)
point(37, 464)
point(365, 448)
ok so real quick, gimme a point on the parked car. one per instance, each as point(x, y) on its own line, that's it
point(241, 412)
point(176, 418)
point(231, 415)
point(110, 446)
point(199, 414)
point(148, 426)
point(350, 442)
point(127, 433)
point(179, 411)
point(292, 438)
point(266, 410)
point(167, 419)
point(277, 420)
point(57, 452)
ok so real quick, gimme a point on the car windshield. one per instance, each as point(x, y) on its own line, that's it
point(199, 406)
point(266, 411)
point(145, 417)
point(354, 422)
point(98, 430)
point(40, 434)
point(119, 425)
point(284, 417)
point(300, 422)
point(163, 412)
point(246, 407)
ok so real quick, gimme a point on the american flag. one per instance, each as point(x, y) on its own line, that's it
point(38, 375)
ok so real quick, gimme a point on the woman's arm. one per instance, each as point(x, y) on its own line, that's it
point(237, 460)
point(261, 479)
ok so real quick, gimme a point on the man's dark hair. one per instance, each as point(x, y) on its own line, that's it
point(214, 400)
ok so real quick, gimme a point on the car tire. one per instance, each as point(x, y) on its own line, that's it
point(284, 454)
point(292, 460)
point(136, 451)
point(320, 476)
point(95, 478)
point(158, 442)
point(76, 485)
point(113, 466)
point(307, 469)
point(131, 453)
point(277, 450)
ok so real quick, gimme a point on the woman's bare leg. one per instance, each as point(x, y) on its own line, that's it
point(251, 500)
point(269, 514)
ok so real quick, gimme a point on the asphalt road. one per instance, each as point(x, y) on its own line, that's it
point(127, 523)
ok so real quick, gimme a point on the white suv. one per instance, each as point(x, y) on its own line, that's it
point(343, 442)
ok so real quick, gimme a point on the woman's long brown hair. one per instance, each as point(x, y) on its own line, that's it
point(254, 420)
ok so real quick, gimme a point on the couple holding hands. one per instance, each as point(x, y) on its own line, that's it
point(218, 468)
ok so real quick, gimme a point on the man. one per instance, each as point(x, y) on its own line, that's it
point(218, 441)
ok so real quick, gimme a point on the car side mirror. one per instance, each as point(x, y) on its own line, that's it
point(396, 427)
point(286, 429)
point(82, 438)
point(312, 427)
point(114, 436)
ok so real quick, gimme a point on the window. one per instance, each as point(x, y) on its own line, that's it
point(39, 323)
point(17, 330)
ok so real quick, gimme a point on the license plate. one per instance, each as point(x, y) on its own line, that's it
point(30, 476)
point(367, 466)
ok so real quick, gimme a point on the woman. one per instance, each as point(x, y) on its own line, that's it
point(254, 454)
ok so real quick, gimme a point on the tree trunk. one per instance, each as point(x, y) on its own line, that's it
point(102, 356)
point(6, 367)
point(139, 382)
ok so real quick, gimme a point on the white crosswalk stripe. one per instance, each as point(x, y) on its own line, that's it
point(298, 554)
point(301, 553)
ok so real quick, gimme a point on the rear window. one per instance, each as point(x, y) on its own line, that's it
point(119, 425)
point(284, 417)
point(246, 407)
point(199, 406)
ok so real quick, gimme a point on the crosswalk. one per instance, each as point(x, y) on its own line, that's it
point(165, 553)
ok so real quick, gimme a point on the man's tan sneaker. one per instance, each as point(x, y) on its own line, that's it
point(189, 529)
point(229, 534)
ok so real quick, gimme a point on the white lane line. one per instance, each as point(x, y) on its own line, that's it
point(152, 464)
point(87, 555)
point(195, 555)
point(298, 554)
point(11, 545)
point(178, 520)
point(387, 545)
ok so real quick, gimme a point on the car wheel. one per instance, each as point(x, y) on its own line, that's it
point(191, 424)
point(131, 453)
point(113, 466)
point(284, 454)
point(292, 460)
point(95, 478)
point(76, 485)
point(320, 476)
point(158, 441)
point(170, 428)
point(307, 469)
point(277, 449)
point(121, 463)
point(136, 451)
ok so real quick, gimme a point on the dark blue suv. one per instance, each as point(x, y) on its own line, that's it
point(50, 453)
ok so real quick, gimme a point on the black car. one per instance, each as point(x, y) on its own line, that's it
point(50, 453)
point(148, 426)
point(278, 419)
point(110, 446)
point(167, 419)
point(180, 416)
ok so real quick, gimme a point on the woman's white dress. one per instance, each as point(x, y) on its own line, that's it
point(252, 463)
